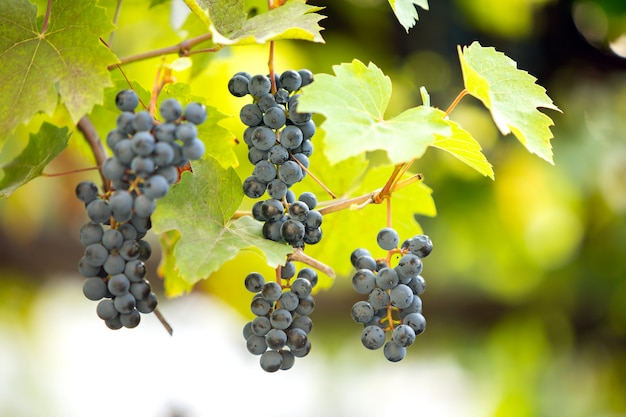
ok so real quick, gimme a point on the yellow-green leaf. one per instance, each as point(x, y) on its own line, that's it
point(354, 102)
point(462, 145)
point(511, 95)
point(406, 12)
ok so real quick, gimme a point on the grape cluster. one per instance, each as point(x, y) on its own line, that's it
point(394, 306)
point(279, 332)
point(277, 134)
point(146, 155)
point(279, 145)
point(298, 224)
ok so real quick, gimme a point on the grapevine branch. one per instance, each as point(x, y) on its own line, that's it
point(182, 49)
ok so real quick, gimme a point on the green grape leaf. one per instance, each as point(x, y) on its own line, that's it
point(219, 141)
point(406, 12)
point(511, 95)
point(200, 207)
point(462, 145)
point(294, 20)
point(42, 148)
point(354, 101)
point(67, 60)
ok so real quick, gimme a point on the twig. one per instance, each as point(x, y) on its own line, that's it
point(182, 49)
point(91, 135)
point(299, 256)
point(164, 322)
point(116, 17)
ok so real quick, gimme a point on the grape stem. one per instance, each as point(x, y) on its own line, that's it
point(74, 171)
point(298, 255)
point(456, 101)
point(182, 49)
point(164, 322)
point(270, 64)
point(91, 135)
point(317, 180)
point(116, 17)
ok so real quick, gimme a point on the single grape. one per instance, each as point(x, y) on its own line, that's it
point(124, 303)
point(271, 361)
point(86, 191)
point(129, 250)
point(251, 115)
point(290, 172)
point(421, 245)
point(301, 287)
point(99, 211)
point(387, 278)
point(121, 203)
point(140, 290)
point(288, 270)
point(114, 324)
point(416, 321)
point(271, 229)
point(259, 85)
point(302, 322)
point(313, 219)
point(403, 335)
point(281, 96)
point(170, 109)
point(272, 209)
point(410, 265)
point(365, 262)
point(194, 149)
point(296, 339)
point(289, 301)
point(288, 360)
point(276, 189)
point(142, 121)
point(126, 100)
point(254, 282)
point(300, 353)
point(364, 281)
point(87, 270)
point(310, 274)
point(142, 166)
point(124, 151)
point(256, 344)
point(238, 85)
point(263, 138)
point(124, 123)
point(114, 264)
point(274, 117)
point(309, 199)
point(186, 132)
point(260, 306)
point(264, 171)
point(292, 231)
point(417, 285)
point(394, 352)
point(378, 298)
point(308, 129)
point(271, 291)
point(94, 288)
point(118, 285)
point(106, 310)
point(96, 254)
point(155, 187)
point(401, 296)
point(362, 312)
point(91, 232)
point(373, 337)
point(253, 188)
point(414, 307)
point(256, 155)
point(266, 102)
point(113, 137)
point(387, 238)
point(195, 113)
point(144, 206)
point(112, 239)
point(261, 325)
point(290, 80)
point(163, 154)
point(130, 320)
point(276, 339)
point(278, 154)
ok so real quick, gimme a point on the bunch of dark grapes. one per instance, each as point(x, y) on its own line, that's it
point(394, 306)
point(277, 134)
point(279, 332)
point(294, 222)
point(145, 162)
point(279, 145)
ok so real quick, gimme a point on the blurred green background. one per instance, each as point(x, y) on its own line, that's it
point(526, 286)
